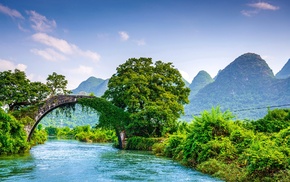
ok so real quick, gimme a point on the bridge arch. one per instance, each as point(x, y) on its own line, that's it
point(110, 116)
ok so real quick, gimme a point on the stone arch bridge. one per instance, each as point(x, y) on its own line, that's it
point(101, 105)
point(49, 105)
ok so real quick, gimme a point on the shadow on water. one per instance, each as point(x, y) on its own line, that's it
point(15, 165)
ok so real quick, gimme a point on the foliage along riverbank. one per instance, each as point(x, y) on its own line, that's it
point(231, 150)
point(13, 138)
point(212, 143)
point(83, 133)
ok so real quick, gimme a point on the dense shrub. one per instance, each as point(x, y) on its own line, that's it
point(241, 137)
point(65, 132)
point(264, 158)
point(51, 131)
point(228, 172)
point(172, 144)
point(233, 150)
point(158, 149)
point(83, 133)
point(274, 121)
point(141, 143)
point(205, 128)
point(283, 138)
point(39, 136)
point(13, 138)
point(96, 135)
point(220, 148)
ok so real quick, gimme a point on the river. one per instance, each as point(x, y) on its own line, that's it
point(73, 161)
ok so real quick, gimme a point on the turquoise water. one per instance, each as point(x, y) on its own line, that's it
point(69, 160)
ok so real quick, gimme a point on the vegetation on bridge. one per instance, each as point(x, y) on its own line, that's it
point(110, 116)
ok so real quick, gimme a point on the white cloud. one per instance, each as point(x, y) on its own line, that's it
point(140, 42)
point(13, 14)
point(59, 44)
point(264, 6)
point(185, 75)
point(124, 36)
point(21, 28)
point(89, 54)
point(258, 7)
point(10, 12)
point(31, 76)
point(36, 78)
point(249, 12)
point(49, 54)
point(82, 70)
point(40, 23)
point(77, 75)
point(64, 47)
point(9, 65)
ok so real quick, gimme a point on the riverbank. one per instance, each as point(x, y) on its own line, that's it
point(13, 138)
point(83, 133)
point(212, 143)
point(230, 150)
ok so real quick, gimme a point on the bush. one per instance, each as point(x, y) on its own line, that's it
point(283, 138)
point(13, 138)
point(204, 129)
point(141, 143)
point(274, 121)
point(241, 138)
point(65, 132)
point(51, 131)
point(83, 137)
point(265, 158)
point(228, 172)
point(38, 137)
point(220, 148)
point(158, 149)
point(232, 151)
point(171, 145)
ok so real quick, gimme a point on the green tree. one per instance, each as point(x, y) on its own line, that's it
point(154, 95)
point(18, 91)
point(13, 138)
point(57, 84)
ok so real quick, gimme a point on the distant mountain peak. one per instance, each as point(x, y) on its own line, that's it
point(92, 85)
point(201, 77)
point(284, 72)
point(247, 82)
point(199, 81)
point(245, 67)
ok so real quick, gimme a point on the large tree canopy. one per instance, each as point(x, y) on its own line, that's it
point(153, 94)
point(17, 91)
point(57, 84)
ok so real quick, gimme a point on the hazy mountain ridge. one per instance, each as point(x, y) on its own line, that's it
point(94, 85)
point(200, 80)
point(247, 82)
point(284, 72)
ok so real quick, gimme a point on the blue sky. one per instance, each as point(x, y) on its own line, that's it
point(83, 38)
